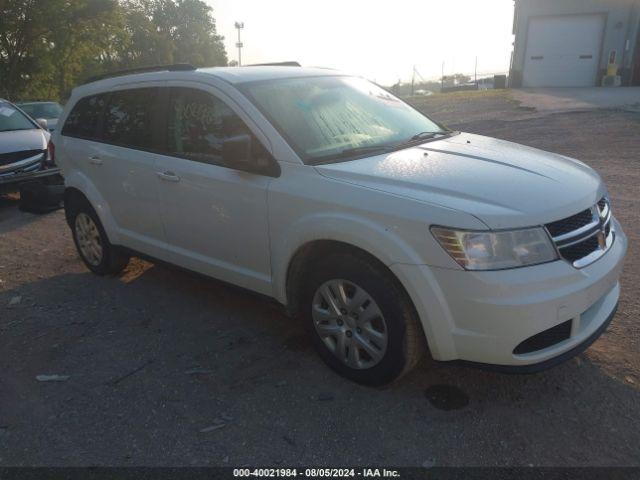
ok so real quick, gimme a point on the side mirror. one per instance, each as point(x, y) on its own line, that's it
point(43, 123)
point(238, 153)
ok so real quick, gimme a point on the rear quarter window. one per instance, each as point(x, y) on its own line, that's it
point(84, 119)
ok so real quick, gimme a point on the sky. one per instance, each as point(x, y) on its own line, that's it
point(379, 40)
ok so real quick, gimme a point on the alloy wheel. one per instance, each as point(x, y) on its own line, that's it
point(88, 238)
point(350, 323)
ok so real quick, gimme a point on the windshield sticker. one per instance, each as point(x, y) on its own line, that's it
point(7, 111)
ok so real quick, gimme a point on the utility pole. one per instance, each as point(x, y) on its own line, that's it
point(239, 26)
point(413, 79)
point(476, 71)
point(442, 78)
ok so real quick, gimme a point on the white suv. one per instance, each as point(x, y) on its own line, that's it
point(374, 225)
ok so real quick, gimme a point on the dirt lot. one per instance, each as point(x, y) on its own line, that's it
point(158, 356)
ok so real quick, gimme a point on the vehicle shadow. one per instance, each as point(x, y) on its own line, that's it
point(9, 200)
point(188, 348)
point(11, 217)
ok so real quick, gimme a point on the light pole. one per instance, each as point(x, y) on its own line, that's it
point(239, 26)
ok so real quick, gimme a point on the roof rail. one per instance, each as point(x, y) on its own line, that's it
point(276, 64)
point(177, 67)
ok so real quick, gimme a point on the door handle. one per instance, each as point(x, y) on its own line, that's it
point(95, 160)
point(168, 176)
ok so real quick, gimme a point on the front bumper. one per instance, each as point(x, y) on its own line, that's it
point(482, 317)
point(11, 182)
point(545, 364)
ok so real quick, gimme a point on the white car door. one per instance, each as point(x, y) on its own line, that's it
point(125, 160)
point(215, 218)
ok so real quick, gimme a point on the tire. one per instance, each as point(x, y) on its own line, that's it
point(388, 340)
point(94, 248)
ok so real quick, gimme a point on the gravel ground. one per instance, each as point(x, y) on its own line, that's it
point(168, 368)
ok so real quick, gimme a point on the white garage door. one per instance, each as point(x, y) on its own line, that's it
point(563, 51)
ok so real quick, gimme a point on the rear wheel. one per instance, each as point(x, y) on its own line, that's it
point(361, 321)
point(95, 250)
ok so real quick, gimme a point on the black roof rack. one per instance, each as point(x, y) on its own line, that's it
point(177, 67)
point(276, 64)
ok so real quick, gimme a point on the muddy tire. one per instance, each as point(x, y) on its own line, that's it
point(361, 321)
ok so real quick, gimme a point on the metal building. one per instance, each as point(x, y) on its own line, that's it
point(572, 43)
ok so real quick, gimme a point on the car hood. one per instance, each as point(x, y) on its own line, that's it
point(503, 184)
point(19, 140)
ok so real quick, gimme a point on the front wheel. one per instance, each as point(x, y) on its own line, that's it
point(362, 322)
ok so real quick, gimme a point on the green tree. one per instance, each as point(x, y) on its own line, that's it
point(43, 50)
point(46, 49)
point(171, 31)
point(22, 43)
point(73, 48)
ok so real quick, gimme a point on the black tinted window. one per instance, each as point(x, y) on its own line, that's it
point(129, 117)
point(84, 119)
point(199, 123)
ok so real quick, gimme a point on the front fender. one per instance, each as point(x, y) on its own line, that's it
point(381, 242)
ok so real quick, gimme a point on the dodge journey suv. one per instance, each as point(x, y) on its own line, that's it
point(384, 232)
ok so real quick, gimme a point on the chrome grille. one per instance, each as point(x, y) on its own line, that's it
point(602, 203)
point(570, 224)
point(13, 157)
point(584, 237)
point(22, 166)
point(580, 250)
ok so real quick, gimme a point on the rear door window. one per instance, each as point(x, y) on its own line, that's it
point(84, 119)
point(130, 118)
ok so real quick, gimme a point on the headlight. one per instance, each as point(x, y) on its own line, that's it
point(482, 250)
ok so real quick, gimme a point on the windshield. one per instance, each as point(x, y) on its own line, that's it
point(49, 111)
point(336, 118)
point(13, 119)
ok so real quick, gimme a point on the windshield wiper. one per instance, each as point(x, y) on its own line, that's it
point(389, 147)
point(368, 149)
point(427, 135)
point(355, 151)
point(422, 135)
point(418, 137)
